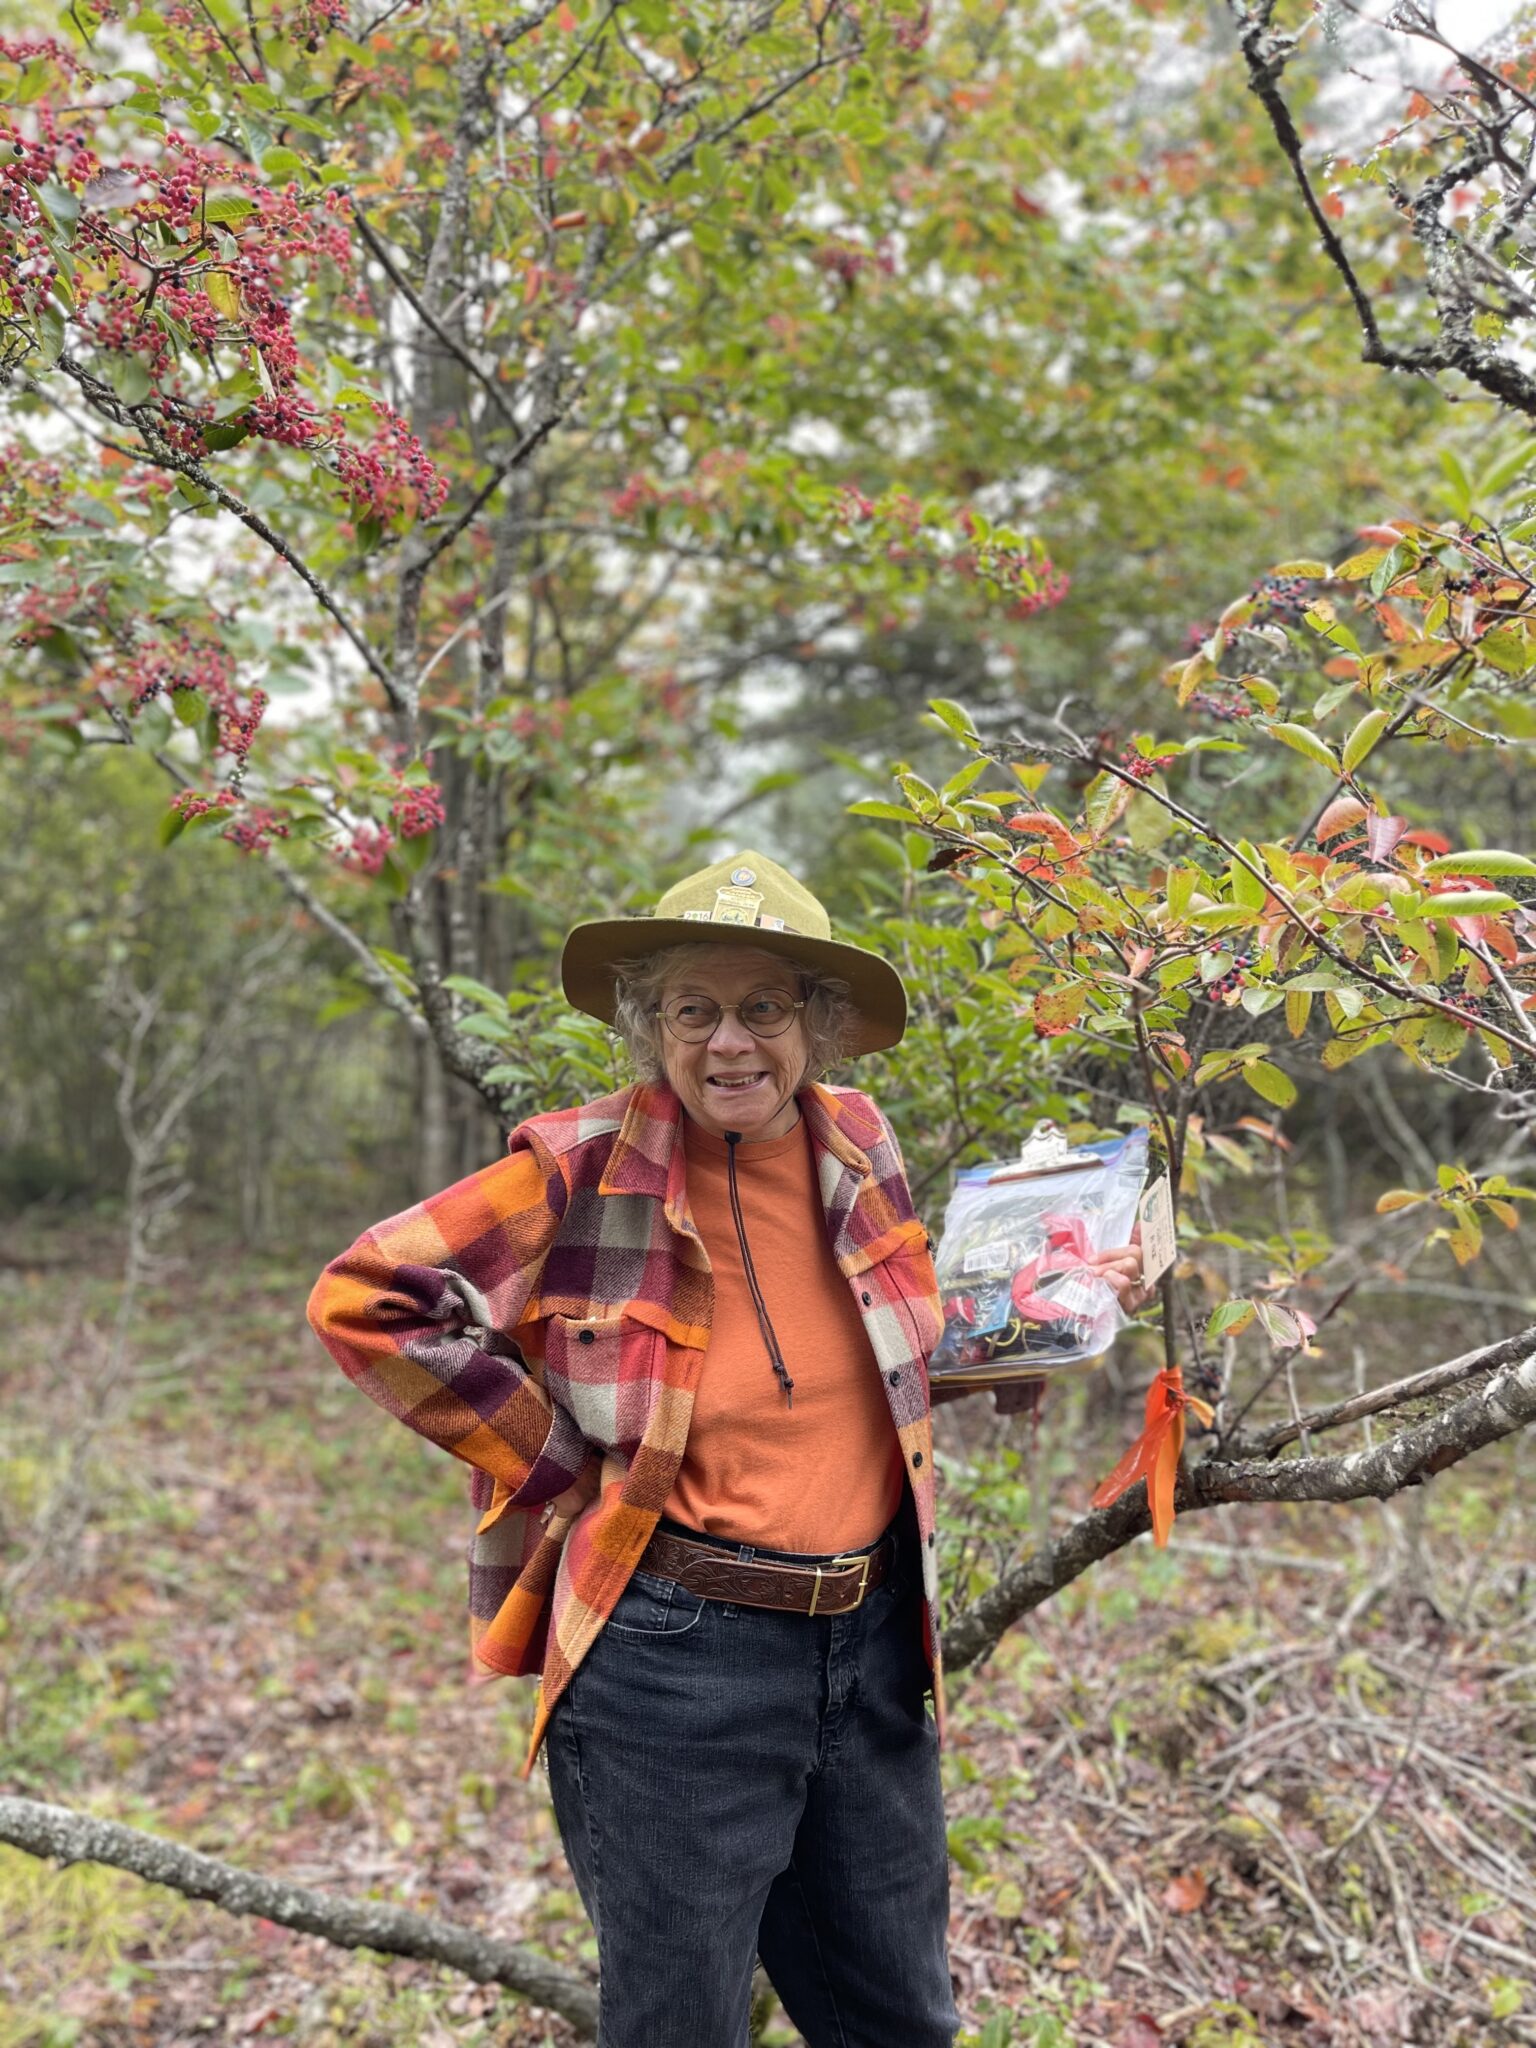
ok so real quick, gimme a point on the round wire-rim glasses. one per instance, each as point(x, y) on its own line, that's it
point(776, 1014)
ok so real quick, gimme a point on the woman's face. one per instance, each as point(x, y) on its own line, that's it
point(732, 1081)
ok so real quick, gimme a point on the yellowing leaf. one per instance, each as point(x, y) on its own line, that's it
point(1304, 741)
point(1363, 738)
point(1396, 1198)
point(223, 293)
point(1271, 1082)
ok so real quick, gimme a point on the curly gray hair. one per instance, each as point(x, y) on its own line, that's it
point(640, 985)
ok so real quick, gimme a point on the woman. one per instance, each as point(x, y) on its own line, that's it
point(680, 1334)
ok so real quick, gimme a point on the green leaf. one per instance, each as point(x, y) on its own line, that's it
point(282, 163)
point(1228, 1320)
point(1363, 738)
point(871, 807)
point(953, 715)
point(959, 783)
point(475, 991)
point(1507, 649)
point(1468, 903)
point(1460, 492)
point(1271, 1082)
point(229, 212)
point(129, 378)
point(1491, 861)
point(1304, 741)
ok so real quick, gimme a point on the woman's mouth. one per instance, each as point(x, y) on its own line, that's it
point(735, 1084)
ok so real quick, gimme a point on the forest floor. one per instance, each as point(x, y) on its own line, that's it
point(1273, 1785)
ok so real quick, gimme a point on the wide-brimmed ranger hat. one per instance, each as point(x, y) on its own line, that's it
point(745, 900)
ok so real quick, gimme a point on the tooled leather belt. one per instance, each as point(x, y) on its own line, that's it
point(836, 1587)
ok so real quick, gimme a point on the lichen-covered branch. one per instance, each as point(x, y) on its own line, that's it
point(64, 1836)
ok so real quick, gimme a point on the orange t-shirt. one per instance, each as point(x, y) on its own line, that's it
point(822, 1474)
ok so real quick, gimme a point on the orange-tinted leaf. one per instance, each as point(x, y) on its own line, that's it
point(1343, 812)
point(1185, 1893)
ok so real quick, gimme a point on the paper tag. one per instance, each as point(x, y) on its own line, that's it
point(993, 1257)
point(1159, 1248)
point(1077, 1297)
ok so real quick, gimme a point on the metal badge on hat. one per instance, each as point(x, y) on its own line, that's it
point(736, 906)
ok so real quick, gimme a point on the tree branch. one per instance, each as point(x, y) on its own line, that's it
point(1435, 1379)
point(1505, 1405)
point(102, 399)
point(66, 1837)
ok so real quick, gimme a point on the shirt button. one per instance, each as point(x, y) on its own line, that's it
point(865, 1298)
point(895, 1379)
point(586, 1336)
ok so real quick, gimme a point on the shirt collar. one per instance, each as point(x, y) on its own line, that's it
point(648, 1156)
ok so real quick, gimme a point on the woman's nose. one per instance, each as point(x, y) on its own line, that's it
point(730, 1035)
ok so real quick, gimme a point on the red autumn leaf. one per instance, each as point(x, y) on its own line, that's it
point(1383, 834)
point(1140, 2031)
point(1387, 536)
point(568, 220)
point(1185, 1893)
point(1432, 842)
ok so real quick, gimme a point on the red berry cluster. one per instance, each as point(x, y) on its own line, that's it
point(848, 260)
point(393, 475)
point(368, 848)
point(1224, 705)
point(1283, 597)
point(637, 493)
point(418, 809)
point(1142, 767)
point(194, 803)
point(1227, 984)
point(255, 829)
point(912, 31)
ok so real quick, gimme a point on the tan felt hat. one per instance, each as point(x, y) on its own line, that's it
point(744, 900)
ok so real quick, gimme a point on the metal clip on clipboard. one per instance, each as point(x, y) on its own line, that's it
point(1045, 1150)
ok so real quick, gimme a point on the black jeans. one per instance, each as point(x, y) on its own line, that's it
point(729, 1781)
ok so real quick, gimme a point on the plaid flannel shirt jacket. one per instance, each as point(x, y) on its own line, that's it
point(554, 1309)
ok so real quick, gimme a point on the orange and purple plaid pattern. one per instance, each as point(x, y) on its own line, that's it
point(554, 1308)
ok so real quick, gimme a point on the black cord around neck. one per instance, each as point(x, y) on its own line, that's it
point(781, 1371)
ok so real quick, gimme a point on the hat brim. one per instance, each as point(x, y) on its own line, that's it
point(587, 967)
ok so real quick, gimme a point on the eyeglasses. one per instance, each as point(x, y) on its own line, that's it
point(766, 1013)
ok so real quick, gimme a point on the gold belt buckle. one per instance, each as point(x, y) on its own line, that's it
point(866, 1558)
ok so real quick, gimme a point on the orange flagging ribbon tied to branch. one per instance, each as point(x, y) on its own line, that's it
point(1156, 1452)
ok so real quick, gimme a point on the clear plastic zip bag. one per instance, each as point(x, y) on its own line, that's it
point(1018, 1301)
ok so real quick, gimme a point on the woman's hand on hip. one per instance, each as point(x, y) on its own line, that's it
point(580, 1494)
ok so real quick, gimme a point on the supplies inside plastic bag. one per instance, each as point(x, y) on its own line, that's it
point(1019, 1302)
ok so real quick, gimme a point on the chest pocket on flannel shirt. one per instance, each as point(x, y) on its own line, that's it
point(909, 1271)
point(603, 1371)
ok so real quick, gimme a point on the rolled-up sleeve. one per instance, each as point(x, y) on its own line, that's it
point(412, 1311)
